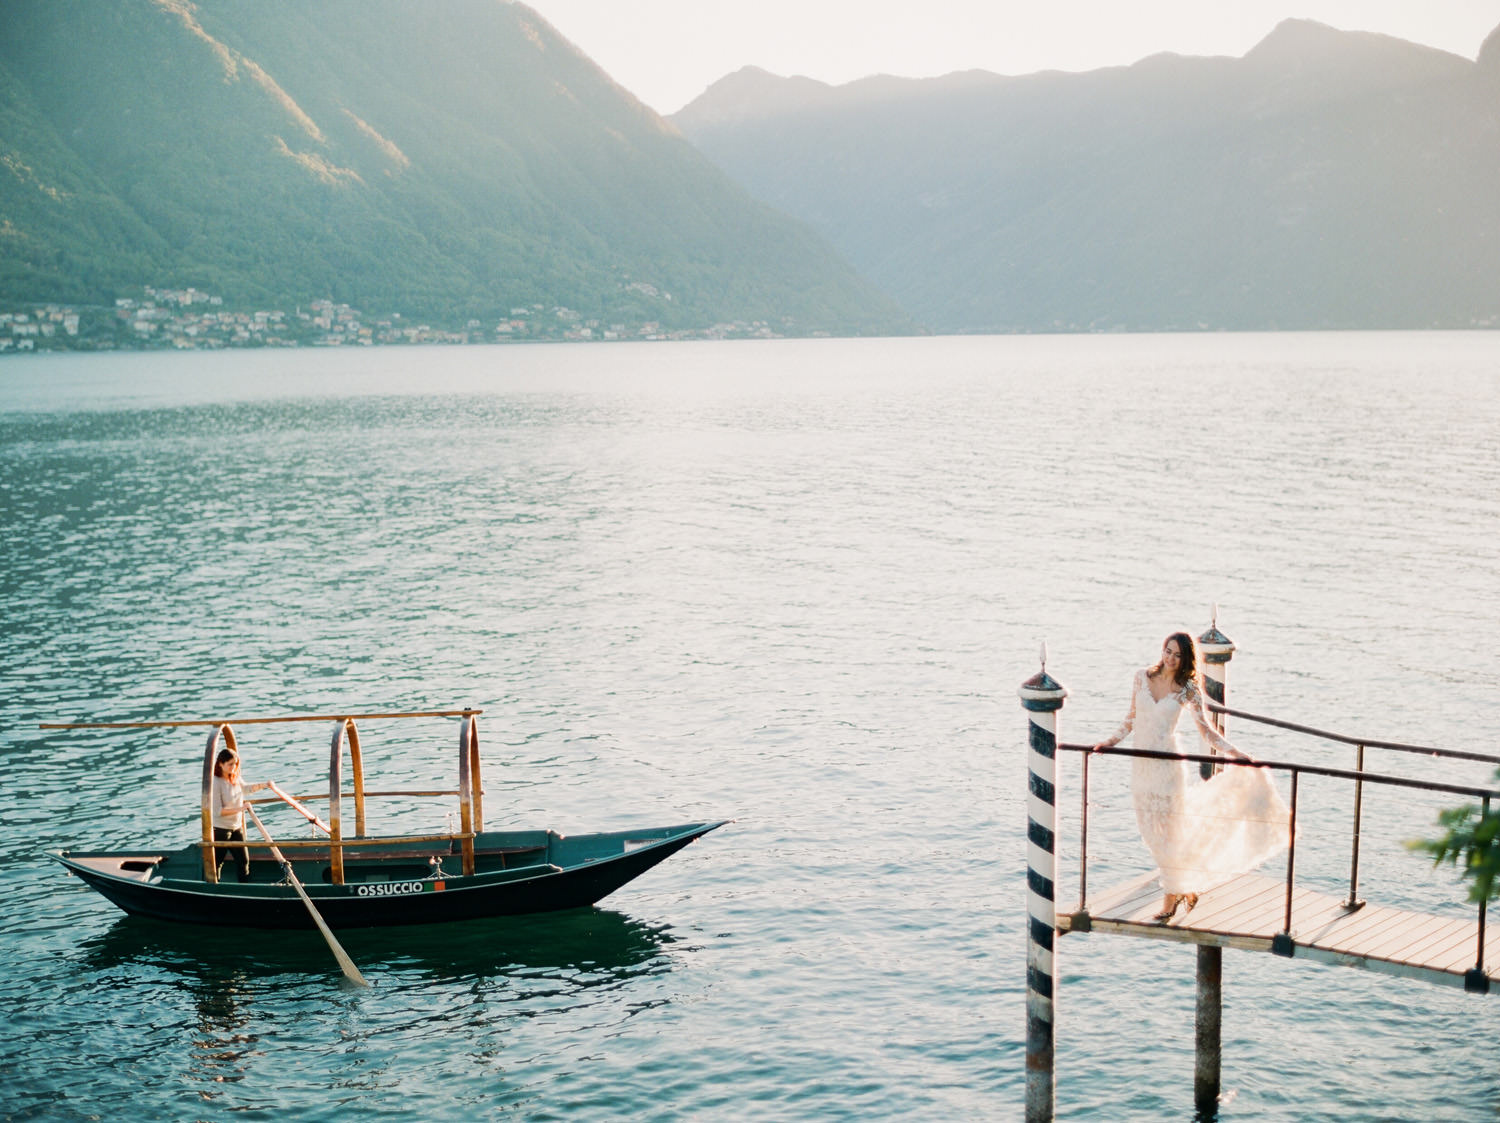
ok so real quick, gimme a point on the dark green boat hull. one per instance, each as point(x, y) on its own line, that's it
point(515, 873)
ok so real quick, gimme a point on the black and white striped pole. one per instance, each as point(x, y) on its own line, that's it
point(1042, 697)
point(1217, 649)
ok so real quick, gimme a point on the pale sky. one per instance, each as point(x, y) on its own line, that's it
point(667, 52)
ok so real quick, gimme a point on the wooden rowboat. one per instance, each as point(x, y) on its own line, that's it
point(363, 880)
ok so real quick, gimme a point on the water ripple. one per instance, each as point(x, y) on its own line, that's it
point(793, 584)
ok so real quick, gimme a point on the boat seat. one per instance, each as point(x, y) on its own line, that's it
point(364, 856)
point(455, 848)
point(355, 855)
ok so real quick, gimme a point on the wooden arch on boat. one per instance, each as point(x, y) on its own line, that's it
point(470, 789)
point(344, 729)
point(210, 854)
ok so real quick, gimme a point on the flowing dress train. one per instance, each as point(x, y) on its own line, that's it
point(1201, 832)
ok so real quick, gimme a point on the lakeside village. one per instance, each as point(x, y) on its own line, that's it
point(192, 320)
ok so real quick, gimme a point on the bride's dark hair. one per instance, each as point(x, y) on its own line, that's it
point(1187, 666)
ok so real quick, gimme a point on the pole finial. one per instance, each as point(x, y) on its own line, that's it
point(1041, 691)
point(1214, 645)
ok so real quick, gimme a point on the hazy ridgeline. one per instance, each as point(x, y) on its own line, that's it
point(1328, 179)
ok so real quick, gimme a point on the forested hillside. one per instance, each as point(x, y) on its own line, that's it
point(446, 160)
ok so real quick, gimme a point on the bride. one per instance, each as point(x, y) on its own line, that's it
point(1200, 832)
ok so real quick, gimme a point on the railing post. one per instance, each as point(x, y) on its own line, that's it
point(1282, 943)
point(1475, 980)
point(1083, 849)
point(1208, 1015)
point(1217, 650)
point(1353, 902)
point(1042, 697)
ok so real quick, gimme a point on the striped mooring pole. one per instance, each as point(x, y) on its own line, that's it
point(1042, 697)
point(1209, 1009)
point(1217, 649)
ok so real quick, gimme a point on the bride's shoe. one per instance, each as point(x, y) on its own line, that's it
point(1168, 908)
point(1192, 903)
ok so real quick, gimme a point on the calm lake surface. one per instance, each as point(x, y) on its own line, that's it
point(792, 583)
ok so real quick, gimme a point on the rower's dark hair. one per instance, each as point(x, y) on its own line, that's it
point(226, 754)
point(1187, 665)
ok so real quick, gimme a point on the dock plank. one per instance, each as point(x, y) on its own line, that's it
point(1257, 913)
point(1218, 903)
point(1366, 925)
point(1393, 936)
point(1321, 914)
point(1460, 952)
point(1111, 900)
point(1430, 942)
point(1410, 928)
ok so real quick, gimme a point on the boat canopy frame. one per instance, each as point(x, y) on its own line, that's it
point(470, 790)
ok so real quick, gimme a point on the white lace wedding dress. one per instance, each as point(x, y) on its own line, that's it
point(1200, 832)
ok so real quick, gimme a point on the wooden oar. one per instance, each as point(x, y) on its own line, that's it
point(351, 972)
point(301, 810)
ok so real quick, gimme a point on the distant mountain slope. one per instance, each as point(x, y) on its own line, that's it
point(445, 160)
point(1326, 179)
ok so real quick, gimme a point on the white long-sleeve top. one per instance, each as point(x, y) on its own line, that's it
point(226, 794)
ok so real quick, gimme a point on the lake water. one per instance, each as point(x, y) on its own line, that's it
point(795, 584)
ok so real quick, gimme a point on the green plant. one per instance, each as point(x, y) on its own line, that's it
point(1470, 842)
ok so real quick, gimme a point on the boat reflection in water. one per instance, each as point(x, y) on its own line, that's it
point(241, 1001)
point(589, 946)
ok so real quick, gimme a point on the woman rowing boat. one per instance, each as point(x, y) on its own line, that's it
point(228, 808)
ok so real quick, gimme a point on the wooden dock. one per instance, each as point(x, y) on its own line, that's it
point(1253, 912)
point(1249, 912)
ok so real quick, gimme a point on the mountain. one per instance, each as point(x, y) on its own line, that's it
point(1327, 179)
point(444, 160)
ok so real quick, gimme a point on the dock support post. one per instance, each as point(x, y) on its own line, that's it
point(1217, 649)
point(1208, 1054)
point(1042, 697)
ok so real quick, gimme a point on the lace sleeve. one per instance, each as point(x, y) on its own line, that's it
point(1192, 698)
point(1129, 723)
